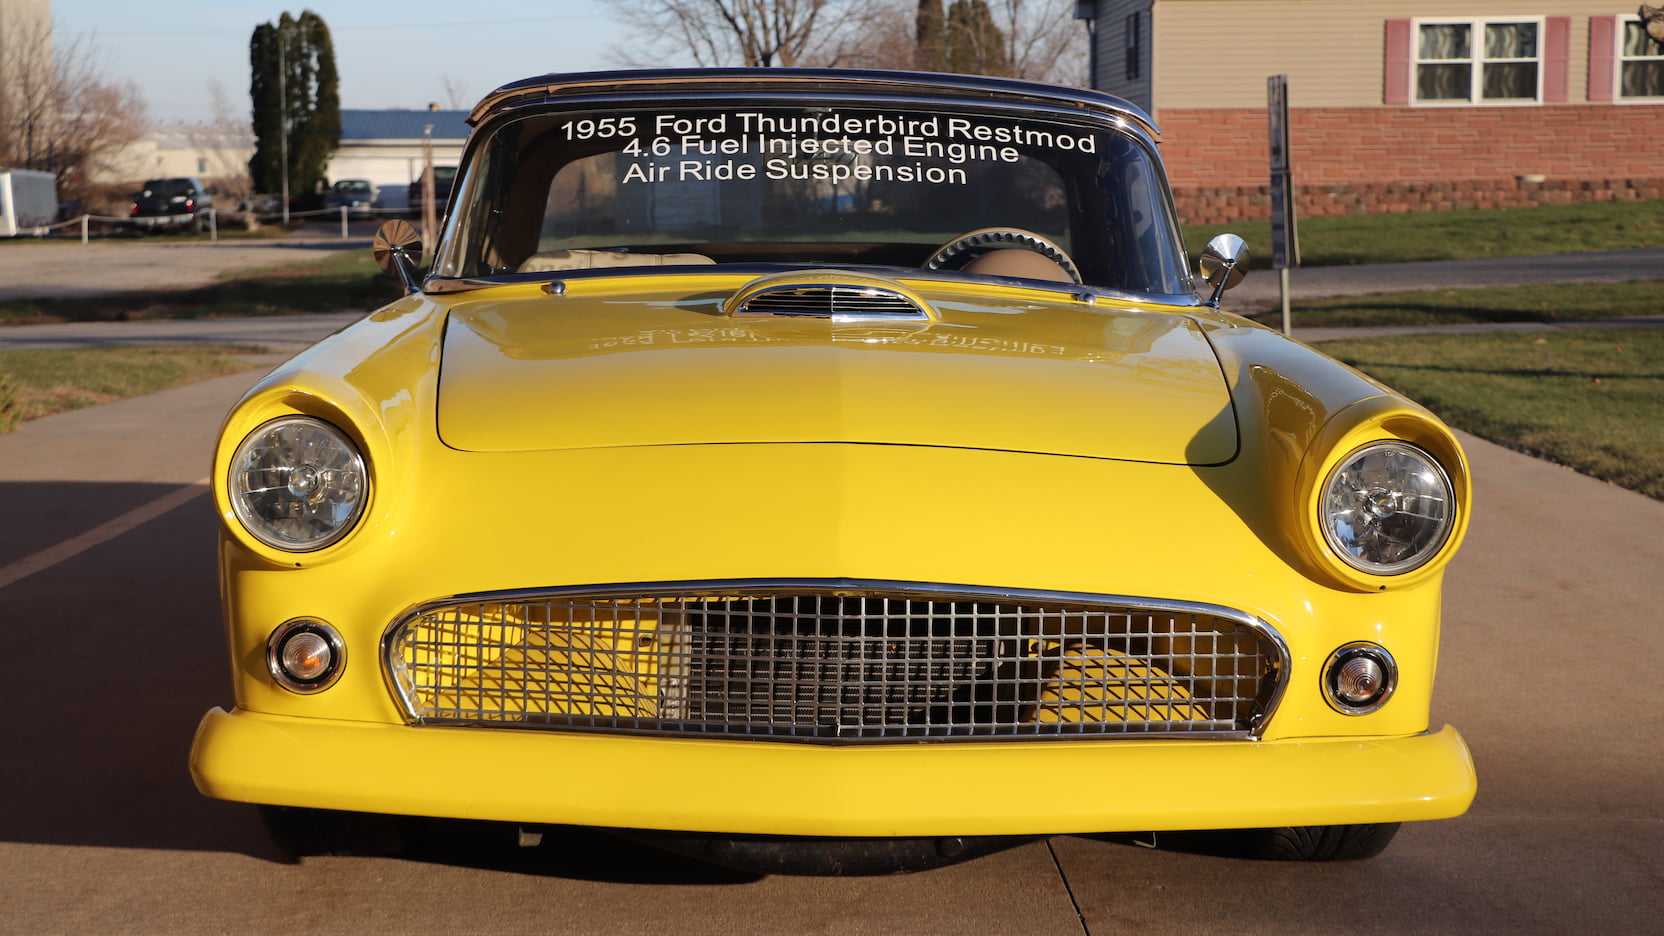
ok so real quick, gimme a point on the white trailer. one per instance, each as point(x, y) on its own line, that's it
point(28, 201)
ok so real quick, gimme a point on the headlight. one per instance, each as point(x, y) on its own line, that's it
point(1387, 508)
point(297, 483)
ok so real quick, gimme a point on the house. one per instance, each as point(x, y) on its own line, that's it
point(385, 147)
point(1395, 105)
point(213, 152)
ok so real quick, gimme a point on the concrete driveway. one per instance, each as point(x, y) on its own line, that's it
point(109, 606)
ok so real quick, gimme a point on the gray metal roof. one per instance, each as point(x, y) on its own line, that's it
point(402, 124)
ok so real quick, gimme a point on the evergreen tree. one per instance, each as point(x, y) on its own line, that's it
point(931, 50)
point(965, 41)
point(294, 87)
point(976, 46)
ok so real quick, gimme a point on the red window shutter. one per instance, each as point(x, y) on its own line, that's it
point(1603, 47)
point(1396, 88)
point(1557, 55)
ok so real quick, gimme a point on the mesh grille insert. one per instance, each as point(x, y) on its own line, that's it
point(833, 664)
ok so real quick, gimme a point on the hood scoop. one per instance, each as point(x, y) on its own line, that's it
point(834, 295)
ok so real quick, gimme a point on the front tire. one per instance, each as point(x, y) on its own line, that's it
point(304, 832)
point(1297, 843)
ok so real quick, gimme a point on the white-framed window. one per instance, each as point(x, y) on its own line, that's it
point(1640, 62)
point(1467, 61)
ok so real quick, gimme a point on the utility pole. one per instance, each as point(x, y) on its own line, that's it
point(430, 219)
point(283, 120)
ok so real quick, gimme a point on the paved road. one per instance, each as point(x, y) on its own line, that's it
point(1550, 663)
point(278, 333)
point(71, 270)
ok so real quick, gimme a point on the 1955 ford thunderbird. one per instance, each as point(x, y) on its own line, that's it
point(830, 470)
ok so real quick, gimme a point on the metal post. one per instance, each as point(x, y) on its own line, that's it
point(1285, 239)
point(84, 220)
point(343, 222)
point(1282, 277)
point(213, 225)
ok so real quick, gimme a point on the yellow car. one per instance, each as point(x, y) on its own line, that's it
point(830, 470)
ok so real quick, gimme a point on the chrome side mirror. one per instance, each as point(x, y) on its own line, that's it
point(1224, 264)
point(398, 251)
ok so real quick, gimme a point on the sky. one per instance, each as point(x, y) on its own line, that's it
point(390, 54)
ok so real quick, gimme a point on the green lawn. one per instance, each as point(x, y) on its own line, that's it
point(1454, 235)
point(1592, 399)
point(1557, 302)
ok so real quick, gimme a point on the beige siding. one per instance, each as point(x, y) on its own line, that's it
point(1218, 53)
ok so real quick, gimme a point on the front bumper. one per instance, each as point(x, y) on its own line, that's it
point(746, 787)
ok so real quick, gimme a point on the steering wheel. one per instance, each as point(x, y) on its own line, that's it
point(1002, 238)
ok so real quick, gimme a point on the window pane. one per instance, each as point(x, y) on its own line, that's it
point(1511, 81)
point(1643, 79)
point(1510, 40)
point(1637, 42)
point(1444, 82)
point(1446, 41)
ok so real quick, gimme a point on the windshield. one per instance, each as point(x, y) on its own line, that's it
point(824, 185)
point(168, 188)
point(352, 186)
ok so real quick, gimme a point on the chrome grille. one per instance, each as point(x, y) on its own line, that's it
point(839, 303)
point(835, 662)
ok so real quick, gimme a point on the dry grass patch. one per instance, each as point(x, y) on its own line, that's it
point(46, 381)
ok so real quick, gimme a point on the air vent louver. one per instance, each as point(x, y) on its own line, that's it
point(835, 302)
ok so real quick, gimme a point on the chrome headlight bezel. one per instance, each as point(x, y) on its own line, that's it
point(325, 483)
point(1405, 479)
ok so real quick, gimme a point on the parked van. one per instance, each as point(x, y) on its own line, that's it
point(28, 201)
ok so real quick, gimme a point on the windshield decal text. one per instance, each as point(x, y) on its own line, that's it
point(830, 147)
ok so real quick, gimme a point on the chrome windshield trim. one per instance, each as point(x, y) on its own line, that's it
point(829, 81)
point(1279, 666)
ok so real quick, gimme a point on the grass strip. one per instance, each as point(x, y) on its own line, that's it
point(51, 380)
point(1545, 302)
point(1453, 235)
point(1591, 399)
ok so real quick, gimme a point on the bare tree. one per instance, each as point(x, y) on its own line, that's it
point(224, 142)
point(1038, 39)
point(756, 33)
point(57, 111)
point(456, 92)
point(1043, 40)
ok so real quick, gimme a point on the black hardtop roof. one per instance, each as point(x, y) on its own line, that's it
point(964, 87)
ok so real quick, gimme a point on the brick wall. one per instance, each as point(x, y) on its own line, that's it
point(1376, 160)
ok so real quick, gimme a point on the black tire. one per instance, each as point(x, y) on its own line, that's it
point(826, 857)
point(1313, 843)
point(303, 832)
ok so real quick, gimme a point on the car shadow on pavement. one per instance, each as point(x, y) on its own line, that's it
point(114, 654)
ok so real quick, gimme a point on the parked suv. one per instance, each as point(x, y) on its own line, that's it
point(164, 203)
point(443, 178)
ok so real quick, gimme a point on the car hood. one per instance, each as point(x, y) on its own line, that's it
point(668, 368)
